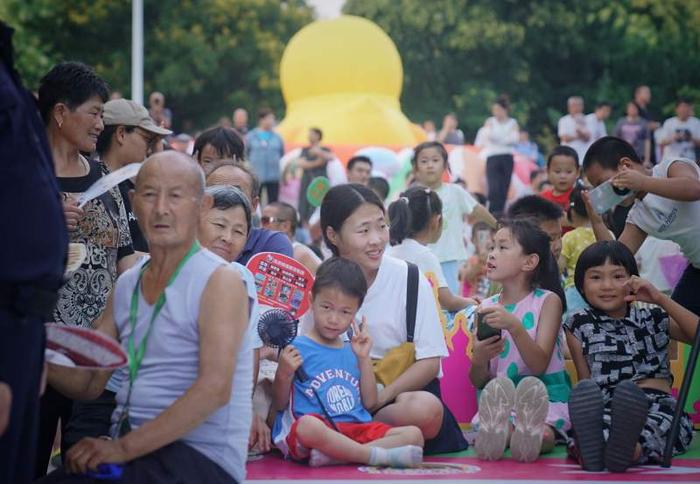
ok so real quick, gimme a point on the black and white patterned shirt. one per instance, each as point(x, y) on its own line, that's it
point(632, 348)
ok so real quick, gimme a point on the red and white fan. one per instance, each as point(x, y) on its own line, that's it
point(84, 348)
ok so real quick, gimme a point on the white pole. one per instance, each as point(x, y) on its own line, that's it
point(137, 51)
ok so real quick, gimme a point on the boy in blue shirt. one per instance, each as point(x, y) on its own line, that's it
point(324, 419)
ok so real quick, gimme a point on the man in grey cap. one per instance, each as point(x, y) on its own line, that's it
point(130, 135)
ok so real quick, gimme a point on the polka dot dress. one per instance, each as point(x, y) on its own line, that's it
point(509, 363)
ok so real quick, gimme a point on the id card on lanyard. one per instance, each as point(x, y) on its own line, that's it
point(136, 354)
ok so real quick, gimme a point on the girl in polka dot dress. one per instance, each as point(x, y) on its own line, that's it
point(526, 354)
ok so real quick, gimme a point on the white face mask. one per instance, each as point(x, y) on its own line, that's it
point(605, 196)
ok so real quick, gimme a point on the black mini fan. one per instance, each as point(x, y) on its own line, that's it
point(278, 328)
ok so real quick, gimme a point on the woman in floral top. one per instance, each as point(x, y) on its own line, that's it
point(71, 97)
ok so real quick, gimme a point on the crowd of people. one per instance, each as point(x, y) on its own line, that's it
point(165, 276)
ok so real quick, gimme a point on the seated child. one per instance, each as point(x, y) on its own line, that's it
point(416, 221)
point(562, 173)
point(573, 243)
point(621, 410)
point(544, 213)
point(324, 418)
point(527, 353)
point(666, 205)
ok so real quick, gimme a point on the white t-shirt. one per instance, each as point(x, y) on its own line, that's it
point(681, 149)
point(500, 137)
point(649, 259)
point(385, 309)
point(254, 309)
point(567, 127)
point(456, 203)
point(596, 127)
point(668, 219)
point(412, 251)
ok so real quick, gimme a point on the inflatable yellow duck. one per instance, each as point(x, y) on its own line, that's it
point(344, 76)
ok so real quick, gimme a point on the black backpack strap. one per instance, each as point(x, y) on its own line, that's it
point(411, 300)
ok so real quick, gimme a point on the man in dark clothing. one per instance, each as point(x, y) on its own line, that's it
point(642, 98)
point(32, 256)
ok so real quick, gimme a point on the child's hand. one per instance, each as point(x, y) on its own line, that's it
point(474, 300)
point(497, 317)
point(289, 361)
point(361, 342)
point(642, 290)
point(483, 351)
point(631, 179)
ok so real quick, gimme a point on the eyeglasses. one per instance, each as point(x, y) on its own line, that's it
point(151, 141)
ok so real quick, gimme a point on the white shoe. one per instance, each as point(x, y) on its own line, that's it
point(531, 408)
point(495, 406)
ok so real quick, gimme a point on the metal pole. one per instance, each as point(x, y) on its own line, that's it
point(682, 397)
point(137, 51)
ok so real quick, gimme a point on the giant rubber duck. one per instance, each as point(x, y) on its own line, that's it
point(344, 76)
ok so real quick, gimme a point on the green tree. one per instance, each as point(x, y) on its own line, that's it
point(458, 55)
point(206, 56)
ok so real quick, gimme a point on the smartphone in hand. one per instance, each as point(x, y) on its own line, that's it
point(483, 330)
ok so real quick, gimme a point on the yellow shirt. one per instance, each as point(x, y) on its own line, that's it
point(573, 243)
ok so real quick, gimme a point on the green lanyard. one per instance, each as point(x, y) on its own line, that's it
point(136, 355)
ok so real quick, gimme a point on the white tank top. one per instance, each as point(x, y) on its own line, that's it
point(171, 362)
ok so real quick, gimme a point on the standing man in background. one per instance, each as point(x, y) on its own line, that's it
point(240, 120)
point(264, 148)
point(572, 129)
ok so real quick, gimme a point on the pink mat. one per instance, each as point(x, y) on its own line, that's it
point(273, 467)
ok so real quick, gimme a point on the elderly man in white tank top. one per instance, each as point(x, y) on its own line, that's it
point(184, 412)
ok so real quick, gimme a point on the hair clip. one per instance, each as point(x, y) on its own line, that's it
point(404, 199)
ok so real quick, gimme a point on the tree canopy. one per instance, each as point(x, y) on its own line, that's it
point(206, 56)
point(209, 56)
point(459, 55)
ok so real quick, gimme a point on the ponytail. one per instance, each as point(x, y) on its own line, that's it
point(412, 212)
point(534, 240)
point(399, 221)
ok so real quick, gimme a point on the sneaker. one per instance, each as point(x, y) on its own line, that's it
point(531, 408)
point(586, 413)
point(630, 408)
point(495, 406)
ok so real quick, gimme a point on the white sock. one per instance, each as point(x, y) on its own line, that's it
point(405, 456)
point(319, 459)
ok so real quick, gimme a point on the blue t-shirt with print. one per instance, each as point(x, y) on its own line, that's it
point(335, 376)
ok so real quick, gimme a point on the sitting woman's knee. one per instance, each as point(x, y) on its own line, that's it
point(428, 404)
point(426, 410)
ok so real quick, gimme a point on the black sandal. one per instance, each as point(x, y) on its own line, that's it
point(586, 413)
point(630, 409)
